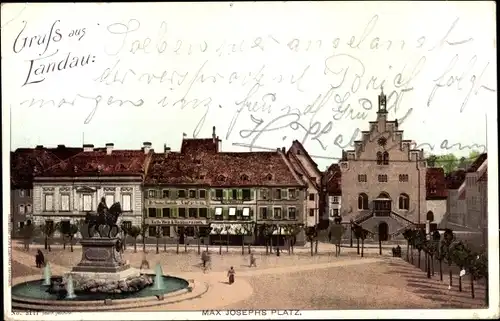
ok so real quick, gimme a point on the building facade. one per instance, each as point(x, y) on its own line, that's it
point(308, 171)
point(233, 194)
point(332, 182)
point(25, 163)
point(67, 191)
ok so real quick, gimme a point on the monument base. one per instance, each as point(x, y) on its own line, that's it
point(102, 269)
point(99, 255)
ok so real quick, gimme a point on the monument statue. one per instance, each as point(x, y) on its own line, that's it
point(104, 218)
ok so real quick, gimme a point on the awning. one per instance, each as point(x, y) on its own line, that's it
point(226, 227)
point(283, 231)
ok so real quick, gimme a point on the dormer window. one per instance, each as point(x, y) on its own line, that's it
point(75, 168)
point(269, 177)
point(221, 178)
point(244, 177)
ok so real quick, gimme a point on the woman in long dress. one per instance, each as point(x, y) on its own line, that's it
point(231, 274)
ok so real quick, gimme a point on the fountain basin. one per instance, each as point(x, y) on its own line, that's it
point(35, 291)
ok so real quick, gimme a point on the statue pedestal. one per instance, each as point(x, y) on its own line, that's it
point(99, 255)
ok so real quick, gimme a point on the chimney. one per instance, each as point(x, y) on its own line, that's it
point(214, 137)
point(219, 144)
point(39, 147)
point(109, 148)
point(61, 146)
point(283, 150)
point(88, 147)
point(146, 146)
point(166, 150)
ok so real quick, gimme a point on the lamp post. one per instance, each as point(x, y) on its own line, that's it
point(278, 241)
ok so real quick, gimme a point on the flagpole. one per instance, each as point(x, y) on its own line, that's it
point(486, 127)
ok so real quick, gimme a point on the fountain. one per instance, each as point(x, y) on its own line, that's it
point(47, 274)
point(158, 282)
point(101, 277)
point(70, 288)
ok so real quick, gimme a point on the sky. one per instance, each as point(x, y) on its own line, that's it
point(263, 74)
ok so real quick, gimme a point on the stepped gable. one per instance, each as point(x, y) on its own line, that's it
point(435, 183)
point(25, 163)
point(220, 169)
point(455, 179)
point(99, 163)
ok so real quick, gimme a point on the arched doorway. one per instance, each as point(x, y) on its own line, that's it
point(383, 231)
point(430, 216)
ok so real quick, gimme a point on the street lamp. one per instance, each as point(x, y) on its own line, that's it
point(278, 241)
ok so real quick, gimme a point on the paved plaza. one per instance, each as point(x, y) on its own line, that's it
point(296, 281)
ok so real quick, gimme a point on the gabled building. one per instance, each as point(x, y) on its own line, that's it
point(467, 207)
point(385, 183)
point(332, 185)
point(308, 171)
point(25, 163)
point(68, 190)
point(233, 193)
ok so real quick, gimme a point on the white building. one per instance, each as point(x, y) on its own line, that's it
point(467, 206)
point(68, 190)
point(308, 170)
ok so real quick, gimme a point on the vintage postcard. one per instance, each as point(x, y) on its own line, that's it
point(274, 160)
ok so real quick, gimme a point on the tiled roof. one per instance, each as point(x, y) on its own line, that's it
point(221, 169)
point(301, 170)
point(334, 180)
point(435, 183)
point(298, 145)
point(199, 145)
point(477, 163)
point(99, 163)
point(455, 179)
point(25, 161)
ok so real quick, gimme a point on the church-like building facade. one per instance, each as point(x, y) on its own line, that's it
point(385, 183)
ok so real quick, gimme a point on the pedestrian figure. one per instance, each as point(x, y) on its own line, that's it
point(204, 260)
point(253, 261)
point(231, 274)
point(39, 259)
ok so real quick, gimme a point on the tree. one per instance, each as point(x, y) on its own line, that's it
point(144, 231)
point(311, 233)
point(460, 255)
point(158, 235)
point(47, 230)
point(408, 234)
point(336, 232)
point(448, 239)
point(247, 228)
point(27, 233)
point(363, 235)
point(178, 238)
point(435, 237)
point(218, 232)
point(450, 162)
point(480, 271)
point(63, 232)
point(357, 234)
point(294, 231)
point(73, 229)
point(208, 230)
point(419, 239)
point(239, 231)
point(227, 229)
point(197, 234)
point(134, 232)
point(124, 228)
